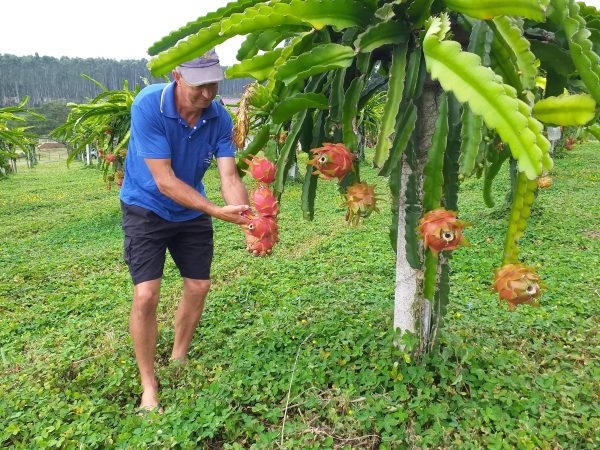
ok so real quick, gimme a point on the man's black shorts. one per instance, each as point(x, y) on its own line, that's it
point(148, 236)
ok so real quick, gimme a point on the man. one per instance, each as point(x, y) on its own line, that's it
point(176, 130)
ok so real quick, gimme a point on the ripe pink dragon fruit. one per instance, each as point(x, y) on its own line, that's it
point(517, 284)
point(441, 230)
point(263, 245)
point(332, 161)
point(361, 200)
point(265, 202)
point(263, 227)
point(261, 169)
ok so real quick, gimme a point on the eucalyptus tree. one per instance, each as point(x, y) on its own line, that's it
point(13, 138)
point(470, 85)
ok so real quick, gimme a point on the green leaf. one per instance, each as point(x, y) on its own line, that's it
point(339, 14)
point(565, 14)
point(462, 73)
point(405, 126)
point(491, 170)
point(258, 67)
point(471, 137)
point(552, 57)
point(256, 145)
point(520, 212)
point(349, 112)
point(200, 23)
point(430, 275)
point(296, 103)
point(392, 105)
point(265, 40)
point(567, 110)
point(524, 60)
point(321, 58)
point(419, 11)
point(285, 159)
point(309, 193)
point(317, 14)
point(488, 9)
point(380, 34)
point(594, 130)
point(452, 154)
point(433, 175)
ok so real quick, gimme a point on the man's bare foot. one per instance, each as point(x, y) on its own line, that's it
point(149, 401)
point(179, 362)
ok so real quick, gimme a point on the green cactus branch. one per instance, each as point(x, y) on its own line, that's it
point(462, 73)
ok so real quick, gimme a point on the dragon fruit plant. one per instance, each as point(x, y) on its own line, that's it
point(460, 75)
point(105, 122)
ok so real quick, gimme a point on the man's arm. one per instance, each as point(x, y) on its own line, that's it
point(232, 188)
point(182, 193)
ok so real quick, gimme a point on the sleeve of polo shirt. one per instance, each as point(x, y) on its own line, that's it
point(148, 132)
point(225, 145)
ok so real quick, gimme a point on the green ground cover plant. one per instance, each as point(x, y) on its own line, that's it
point(319, 309)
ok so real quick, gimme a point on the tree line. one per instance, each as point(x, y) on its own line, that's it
point(46, 79)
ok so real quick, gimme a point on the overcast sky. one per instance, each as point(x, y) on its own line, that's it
point(118, 29)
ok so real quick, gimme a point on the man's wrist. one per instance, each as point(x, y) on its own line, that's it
point(212, 210)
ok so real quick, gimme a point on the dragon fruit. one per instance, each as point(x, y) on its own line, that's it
point(265, 202)
point(263, 226)
point(119, 175)
point(261, 169)
point(361, 201)
point(517, 284)
point(441, 230)
point(544, 182)
point(262, 245)
point(332, 161)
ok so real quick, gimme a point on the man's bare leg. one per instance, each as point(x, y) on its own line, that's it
point(188, 315)
point(144, 333)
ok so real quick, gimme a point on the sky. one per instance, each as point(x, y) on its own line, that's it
point(117, 29)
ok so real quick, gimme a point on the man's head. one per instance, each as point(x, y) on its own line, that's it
point(202, 70)
point(198, 79)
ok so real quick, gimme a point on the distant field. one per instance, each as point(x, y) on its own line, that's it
point(45, 156)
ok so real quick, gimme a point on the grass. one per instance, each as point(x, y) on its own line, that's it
point(321, 305)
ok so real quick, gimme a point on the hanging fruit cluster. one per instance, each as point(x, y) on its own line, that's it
point(113, 166)
point(263, 222)
point(333, 161)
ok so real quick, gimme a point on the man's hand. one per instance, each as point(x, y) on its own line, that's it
point(250, 241)
point(233, 214)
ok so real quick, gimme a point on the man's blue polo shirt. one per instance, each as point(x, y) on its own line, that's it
point(158, 131)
